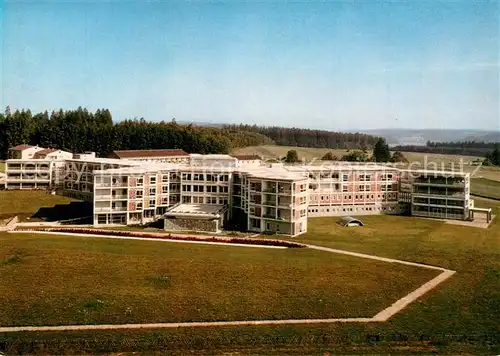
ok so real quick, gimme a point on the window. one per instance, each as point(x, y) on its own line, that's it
point(322, 198)
point(212, 200)
point(186, 176)
point(361, 188)
point(345, 188)
point(152, 191)
point(198, 176)
point(140, 182)
point(303, 188)
point(368, 188)
point(345, 177)
point(164, 189)
point(197, 200)
point(198, 188)
point(212, 189)
point(223, 189)
point(186, 188)
point(335, 176)
point(303, 213)
point(152, 180)
point(151, 203)
point(173, 176)
point(138, 194)
point(164, 178)
point(186, 200)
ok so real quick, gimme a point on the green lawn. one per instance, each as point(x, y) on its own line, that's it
point(461, 316)
point(123, 281)
point(26, 203)
point(485, 188)
point(48, 279)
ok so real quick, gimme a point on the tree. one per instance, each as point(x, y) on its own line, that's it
point(381, 152)
point(329, 156)
point(292, 157)
point(399, 157)
point(356, 156)
point(494, 156)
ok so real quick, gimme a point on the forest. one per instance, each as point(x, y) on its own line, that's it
point(81, 130)
point(299, 137)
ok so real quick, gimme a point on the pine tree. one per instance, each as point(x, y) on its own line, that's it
point(381, 152)
point(292, 157)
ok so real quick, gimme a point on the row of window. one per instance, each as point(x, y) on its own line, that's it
point(204, 200)
point(356, 196)
point(206, 177)
point(352, 209)
point(202, 188)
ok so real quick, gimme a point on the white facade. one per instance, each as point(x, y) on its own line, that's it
point(24, 151)
point(264, 199)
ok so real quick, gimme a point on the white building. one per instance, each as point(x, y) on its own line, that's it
point(53, 154)
point(216, 190)
point(24, 151)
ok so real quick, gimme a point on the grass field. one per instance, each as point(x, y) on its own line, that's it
point(123, 281)
point(270, 151)
point(27, 203)
point(485, 188)
point(461, 316)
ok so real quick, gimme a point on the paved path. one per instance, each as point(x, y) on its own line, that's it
point(382, 316)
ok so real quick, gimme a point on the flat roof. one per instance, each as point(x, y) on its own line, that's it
point(435, 172)
point(149, 153)
point(197, 210)
point(212, 156)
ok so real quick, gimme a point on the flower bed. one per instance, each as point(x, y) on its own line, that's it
point(223, 239)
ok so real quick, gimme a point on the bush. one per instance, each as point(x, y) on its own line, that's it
point(229, 240)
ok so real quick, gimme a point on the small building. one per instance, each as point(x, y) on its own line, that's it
point(24, 151)
point(162, 156)
point(53, 154)
point(213, 161)
point(350, 221)
point(196, 217)
point(254, 160)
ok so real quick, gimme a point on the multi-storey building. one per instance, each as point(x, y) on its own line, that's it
point(438, 194)
point(273, 201)
point(30, 173)
point(215, 190)
point(344, 189)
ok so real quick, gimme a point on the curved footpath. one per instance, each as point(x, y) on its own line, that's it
point(382, 316)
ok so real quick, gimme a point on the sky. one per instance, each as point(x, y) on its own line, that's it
point(337, 65)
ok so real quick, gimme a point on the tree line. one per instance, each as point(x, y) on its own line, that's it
point(284, 136)
point(81, 130)
point(462, 144)
point(464, 151)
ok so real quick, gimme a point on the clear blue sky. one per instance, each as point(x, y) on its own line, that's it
point(334, 65)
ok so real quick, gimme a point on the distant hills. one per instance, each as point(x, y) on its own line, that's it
point(418, 137)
